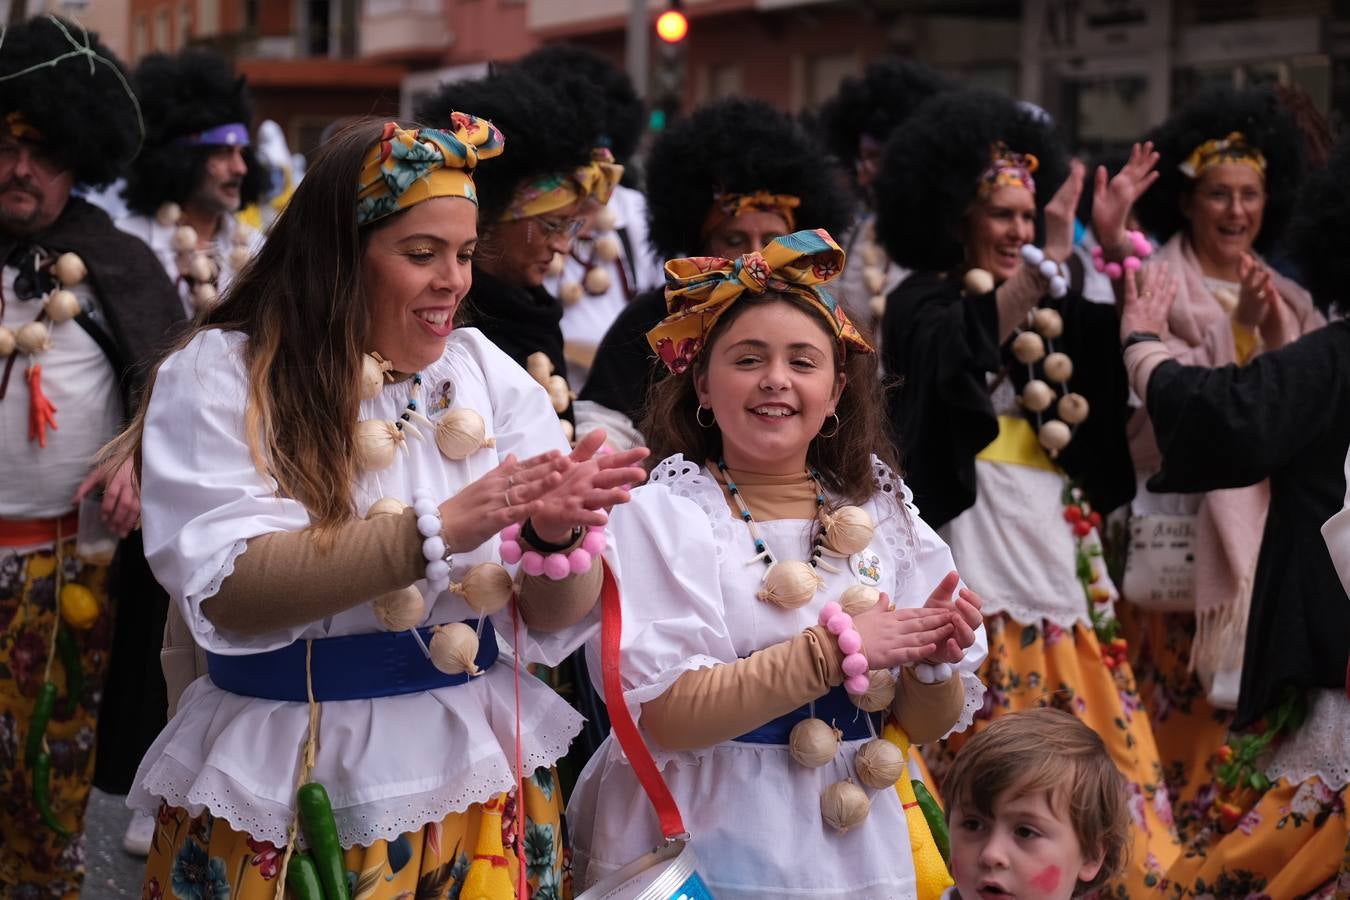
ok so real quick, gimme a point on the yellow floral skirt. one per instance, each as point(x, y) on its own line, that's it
point(34, 858)
point(1295, 842)
point(468, 856)
point(1044, 665)
point(1189, 731)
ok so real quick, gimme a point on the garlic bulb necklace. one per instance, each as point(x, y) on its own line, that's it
point(1033, 344)
point(605, 250)
point(200, 269)
point(60, 304)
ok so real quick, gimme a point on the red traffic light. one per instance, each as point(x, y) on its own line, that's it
point(672, 26)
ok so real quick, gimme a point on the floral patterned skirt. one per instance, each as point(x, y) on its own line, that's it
point(1044, 665)
point(465, 856)
point(34, 859)
point(1188, 730)
point(1295, 842)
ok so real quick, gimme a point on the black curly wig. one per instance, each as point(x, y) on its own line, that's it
point(1263, 120)
point(1316, 238)
point(87, 117)
point(180, 95)
point(593, 88)
point(542, 135)
point(736, 146)
point(888, 92)
point(931, 170)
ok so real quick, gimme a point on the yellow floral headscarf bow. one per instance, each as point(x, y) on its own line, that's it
point(596, 180)
point(409, 165)
point(1233, 148)
point(700, 289)
point(1008, 169)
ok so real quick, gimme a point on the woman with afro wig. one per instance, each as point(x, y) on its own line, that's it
point(727, 180)
point(1229, 169)
point(1011, 413)
point(1282, 418)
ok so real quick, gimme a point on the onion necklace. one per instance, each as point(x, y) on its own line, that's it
point(200, 269)
point(789, 584)
point(605, 251)
point(486, 587)
point(60, 305)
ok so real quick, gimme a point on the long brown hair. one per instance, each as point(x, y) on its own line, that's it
point(301, 305)
point(843, 459)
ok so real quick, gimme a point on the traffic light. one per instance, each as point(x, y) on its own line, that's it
point(671, 25)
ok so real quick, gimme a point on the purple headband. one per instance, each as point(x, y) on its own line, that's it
point(231, 134)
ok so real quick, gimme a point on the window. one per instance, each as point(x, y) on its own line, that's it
point(184, 24)
point(140, 38)
point(162, 31)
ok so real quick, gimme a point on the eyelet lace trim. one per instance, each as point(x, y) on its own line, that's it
point(200, 623)
point(362, 824)
point(685, 478)
point(1319, 747)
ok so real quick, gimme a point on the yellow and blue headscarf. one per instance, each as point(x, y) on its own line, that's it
point(701, 288)
point(596, 180)
point(1008, 168)
point(409, 165)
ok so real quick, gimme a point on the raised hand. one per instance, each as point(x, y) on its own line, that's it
point(1112, 200)
point(899, 637)
point(509, 493)
point(1148, 299)
point(1059, 214)
point(1256, 295)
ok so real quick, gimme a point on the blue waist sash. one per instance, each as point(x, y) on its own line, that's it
point(350, 667)
point(835, 708)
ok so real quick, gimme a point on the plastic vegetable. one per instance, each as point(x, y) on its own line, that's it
point(37, 724)
point(302, 878)
point(42, 777)
point(316, 818)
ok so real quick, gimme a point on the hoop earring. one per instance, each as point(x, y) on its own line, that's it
point(698, 417)
point(836, 426)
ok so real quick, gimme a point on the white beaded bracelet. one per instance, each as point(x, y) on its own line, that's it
point(433, 545)
point(935, 673)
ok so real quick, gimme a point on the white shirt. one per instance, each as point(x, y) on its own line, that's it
point(679, 555)
point(159, 238)
point(390, 764)
point(38, 482)
point(585, 322)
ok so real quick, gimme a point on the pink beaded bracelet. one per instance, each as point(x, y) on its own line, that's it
point(840, 624)
point(556, 566)
point(1132, 263)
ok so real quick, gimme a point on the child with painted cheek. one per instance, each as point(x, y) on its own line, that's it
point(1037, 810)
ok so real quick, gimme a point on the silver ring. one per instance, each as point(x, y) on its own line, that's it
point(507, 495)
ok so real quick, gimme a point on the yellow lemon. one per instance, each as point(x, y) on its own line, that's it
point(78, 606)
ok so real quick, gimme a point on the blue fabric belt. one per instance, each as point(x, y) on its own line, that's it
point(835, 708)
point(350, 667)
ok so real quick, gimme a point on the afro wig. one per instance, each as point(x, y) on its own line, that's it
point(1316, 240)
point(542, 136)
point(736, 146)
point(593, 88)
point(181, 95)
point(887, 94)
point(931, 171)
point(86, 113)
point(1263, 120)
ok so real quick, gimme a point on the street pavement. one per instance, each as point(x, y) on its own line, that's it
point(112, 872)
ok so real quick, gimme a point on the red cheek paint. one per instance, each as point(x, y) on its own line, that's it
point(1047, 880)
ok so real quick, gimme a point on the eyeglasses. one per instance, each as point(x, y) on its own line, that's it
point(42, 165)
point(551, 227)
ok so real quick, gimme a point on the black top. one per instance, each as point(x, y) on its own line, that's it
point(1283, 416)
point(942, 345)
point(520, 321)
point(625, 366)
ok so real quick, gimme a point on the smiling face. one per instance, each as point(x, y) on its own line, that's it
point(522, 249)
point(1027, 850)
point(770, 379)
point(996, 228)
point(1224, 210)
point(415, 270)
point(219, 189)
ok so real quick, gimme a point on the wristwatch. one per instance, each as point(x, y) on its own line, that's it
point(1138, 337)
